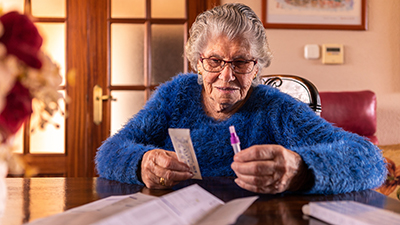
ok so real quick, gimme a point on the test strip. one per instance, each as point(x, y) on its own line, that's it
point(184, 149)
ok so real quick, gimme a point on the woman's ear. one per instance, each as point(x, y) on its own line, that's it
point(256, 72)
point(199, 67)
point(199, 74)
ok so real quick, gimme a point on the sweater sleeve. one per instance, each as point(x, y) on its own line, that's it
point(119, 157)
point(339, 160)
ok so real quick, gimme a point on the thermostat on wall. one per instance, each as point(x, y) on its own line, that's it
point(332, 53)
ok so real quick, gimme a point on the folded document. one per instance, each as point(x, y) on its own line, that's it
point(190, 205)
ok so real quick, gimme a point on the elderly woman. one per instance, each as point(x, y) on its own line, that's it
point(286, 146)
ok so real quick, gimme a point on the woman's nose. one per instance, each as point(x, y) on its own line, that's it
point(227, 74)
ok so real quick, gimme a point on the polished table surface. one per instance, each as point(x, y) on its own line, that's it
point(33, 198)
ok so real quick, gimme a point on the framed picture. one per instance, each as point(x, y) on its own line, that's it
point(315, 14)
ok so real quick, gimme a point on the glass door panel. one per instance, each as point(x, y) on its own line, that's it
point(167, 52)
point(127, 104)
point(11, 5)
point(54, 43)
point(127, 54)
point(128, 8)
point(168, 9)
point(51, 139)
point(46, 145)
point(48, 8)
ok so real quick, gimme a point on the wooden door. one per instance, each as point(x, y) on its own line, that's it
point(94, 35)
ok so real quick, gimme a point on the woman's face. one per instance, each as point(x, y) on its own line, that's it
point(224, 89)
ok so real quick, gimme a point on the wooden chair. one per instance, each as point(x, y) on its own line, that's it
point(297, 87)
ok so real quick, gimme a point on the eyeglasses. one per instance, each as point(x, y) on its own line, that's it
point(214, 65)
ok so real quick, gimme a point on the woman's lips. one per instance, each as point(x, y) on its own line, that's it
point(227, 89)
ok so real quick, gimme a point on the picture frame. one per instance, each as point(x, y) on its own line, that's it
point(315, 14)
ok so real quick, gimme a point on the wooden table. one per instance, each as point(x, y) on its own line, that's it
point(33, 198)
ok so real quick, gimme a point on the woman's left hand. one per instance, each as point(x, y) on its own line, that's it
point(268, 169)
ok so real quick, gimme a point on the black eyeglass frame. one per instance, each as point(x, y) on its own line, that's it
point(231, 65)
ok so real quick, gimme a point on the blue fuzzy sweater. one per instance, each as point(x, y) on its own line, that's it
point(340, 161)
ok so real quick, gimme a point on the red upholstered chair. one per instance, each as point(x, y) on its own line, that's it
point(354, 111)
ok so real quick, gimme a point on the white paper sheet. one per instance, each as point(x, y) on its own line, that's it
point(190, 205)
point(350, 213)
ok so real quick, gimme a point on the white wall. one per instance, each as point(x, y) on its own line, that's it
point(372, 60)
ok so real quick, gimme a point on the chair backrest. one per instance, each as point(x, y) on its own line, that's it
point(354, 111)
point(297, 87)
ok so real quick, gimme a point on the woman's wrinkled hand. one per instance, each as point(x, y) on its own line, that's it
point(161, 169)
point(269, 169)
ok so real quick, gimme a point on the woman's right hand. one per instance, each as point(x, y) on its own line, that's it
point(161, 169)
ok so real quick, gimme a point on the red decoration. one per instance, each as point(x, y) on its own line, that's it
point(17, 110)
point(21, 38)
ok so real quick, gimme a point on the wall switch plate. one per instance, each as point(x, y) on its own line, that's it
point(311, 51)
point(332, 54)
